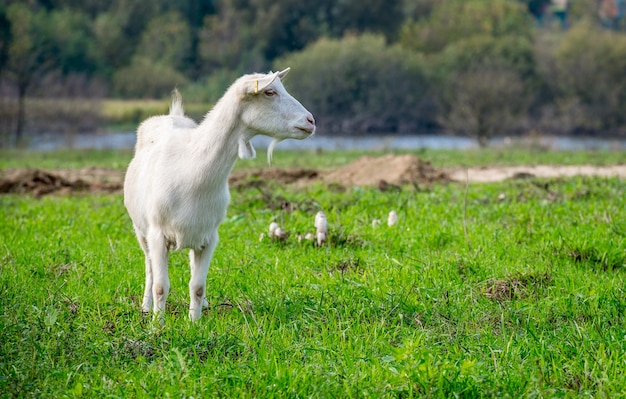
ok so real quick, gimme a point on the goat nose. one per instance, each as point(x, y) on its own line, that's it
point(310, 120)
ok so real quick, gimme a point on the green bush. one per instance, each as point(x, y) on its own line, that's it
point(212, 87)
point(590, 70)
point(360, 84)
point(456, 20)
point(510, 52)
point(484, 85)
point(144, 78)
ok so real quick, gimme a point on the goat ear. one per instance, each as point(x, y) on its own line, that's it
point(256, 86)
point(283, 73)
point(246, 151)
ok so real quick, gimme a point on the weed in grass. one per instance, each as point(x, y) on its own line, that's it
point(518, 286)
point(609, 259)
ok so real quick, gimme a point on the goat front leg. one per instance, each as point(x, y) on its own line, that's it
point(160, 279)
point(200, 260)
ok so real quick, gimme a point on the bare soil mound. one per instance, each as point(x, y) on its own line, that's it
point(385, 170)
point(382, 172)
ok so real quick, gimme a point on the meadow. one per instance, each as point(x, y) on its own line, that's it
point(510, 289)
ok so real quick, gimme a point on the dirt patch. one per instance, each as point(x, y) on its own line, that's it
point(382, 172)
point(41, 182)
point(258, 177)
point(389, 171)
point(490, 174)
point(516, 287)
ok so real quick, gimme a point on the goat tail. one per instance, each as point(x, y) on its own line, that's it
point(176, 108)
point(150, 130)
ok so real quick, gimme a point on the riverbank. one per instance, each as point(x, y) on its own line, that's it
point(126, 140)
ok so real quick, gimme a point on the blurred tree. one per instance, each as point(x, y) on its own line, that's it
point(162, 52)
point(25, 54)
point(454, 20)
point(145, 78)
point(484, 85)
point(373, 16)
point(166, 40)
point(282, 26)
point(69, 41)
point(359, 84)
point(89, 7)
point(483, 101)
point(194, 11)
point(482, 63)
point(115, 48)
point(227, 40)
point(512, 52)
point(584, 73)
point(5, 39)
point(118, 31)
point(418, 9)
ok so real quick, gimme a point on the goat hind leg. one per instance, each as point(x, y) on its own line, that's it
point(158, 262)
point(147, 292)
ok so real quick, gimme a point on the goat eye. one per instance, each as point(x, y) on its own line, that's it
point(270, 93)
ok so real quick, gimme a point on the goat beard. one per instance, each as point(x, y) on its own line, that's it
point(270, 150)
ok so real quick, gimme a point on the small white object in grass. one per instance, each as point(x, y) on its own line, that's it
point(273, 227)
point(309, 236)
point(262, 237)
point(375, 222)
point(280, 234)
point(321, 224)
point(321, 238)
point(392, 218)
point(501, 197)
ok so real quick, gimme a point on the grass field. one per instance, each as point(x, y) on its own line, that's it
point(118, 159)
point(512, 289)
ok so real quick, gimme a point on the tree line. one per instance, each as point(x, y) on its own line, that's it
point(475, 67)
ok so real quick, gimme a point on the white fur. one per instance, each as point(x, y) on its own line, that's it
point(176, 186)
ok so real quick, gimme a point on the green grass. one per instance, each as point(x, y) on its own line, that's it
point(64, 159)
point(530, 303)
point(118, 159)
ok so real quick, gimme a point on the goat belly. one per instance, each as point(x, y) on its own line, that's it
point(192, 229)
point(190, 238)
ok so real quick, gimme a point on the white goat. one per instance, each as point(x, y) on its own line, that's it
point(176, 186)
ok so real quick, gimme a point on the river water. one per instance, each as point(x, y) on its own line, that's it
point(126, 140)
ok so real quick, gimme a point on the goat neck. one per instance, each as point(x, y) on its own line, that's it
point(216, 140)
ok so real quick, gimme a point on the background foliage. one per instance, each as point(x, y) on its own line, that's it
point(477, 67)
